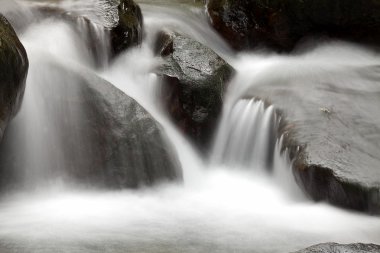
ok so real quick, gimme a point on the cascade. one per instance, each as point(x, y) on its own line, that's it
point(240, 198)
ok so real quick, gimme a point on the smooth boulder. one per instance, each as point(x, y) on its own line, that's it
point(89, 133)
point(13, 72)
point(129, 29)
point(282, 23)
point(330, 122)
point(340, 248)
point(194, 80)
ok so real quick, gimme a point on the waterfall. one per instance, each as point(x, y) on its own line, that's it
point(247, 135)
point(240, 198)
point(96, 38)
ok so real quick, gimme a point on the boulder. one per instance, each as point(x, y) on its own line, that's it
point(281, 23)
point(194, 81)
point(85, 131)
point(340, 248)
point(330, 122)
point(129, 29)
point(13, 72)
point(121, 20)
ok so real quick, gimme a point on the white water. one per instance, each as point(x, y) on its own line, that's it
point(233, 204)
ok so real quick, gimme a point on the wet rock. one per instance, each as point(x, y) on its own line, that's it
point(90, 133)
point(331, 127)
point(13, 72)
point(340, 248)
point(129, 29)
point(121, 20)
point(280, 24)
point(194, 81)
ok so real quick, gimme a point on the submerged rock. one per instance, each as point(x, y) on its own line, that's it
point(331, 127)
point(340, 248)
point(13, 72)
point(90, 133)
point(194, 81)
point(281, 23)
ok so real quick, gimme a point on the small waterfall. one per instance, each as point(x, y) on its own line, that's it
point(247, 135)
point(97, 38)
point(224, 206)
point(48, 120)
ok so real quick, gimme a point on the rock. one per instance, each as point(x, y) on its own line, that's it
point(91, 133)
point(340, 248)
point(194, 81)
point(121, 20)
point(129, 29)
point(331, 127)
point(13, 72)
point(281, 23)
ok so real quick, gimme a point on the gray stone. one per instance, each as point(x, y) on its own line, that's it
point(332, 129)
point(194, 81)
point(94, 135)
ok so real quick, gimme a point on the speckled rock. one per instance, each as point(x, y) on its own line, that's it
point(194, 81)
point(331, 125)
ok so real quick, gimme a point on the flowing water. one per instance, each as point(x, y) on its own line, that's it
point(240, 199)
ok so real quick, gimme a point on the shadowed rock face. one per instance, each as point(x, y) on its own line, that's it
point(194, 81)
point(339, 248)
point(331, 127)
point(13, 71)
point(129, 29)
point(95, 135)
point(281, 23)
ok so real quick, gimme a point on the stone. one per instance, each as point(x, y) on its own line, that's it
point(129, 30)
point(280, 24)
point(90, 134)
point(13, 72)
point(194, 82)
point(330, 123)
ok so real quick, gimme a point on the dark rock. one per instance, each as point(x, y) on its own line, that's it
point(90, 133)
point(340, 248)
point(164, 44)
point(194, 81)
point(129, 29)
point(122, 20)
point(13, 72)
point(331, 128)
point(281, 23)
